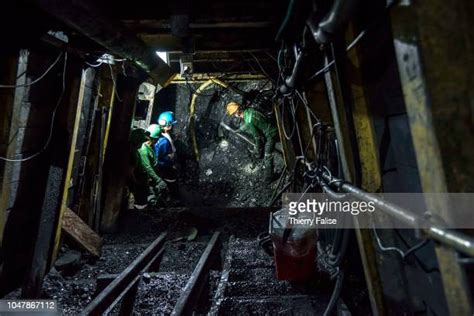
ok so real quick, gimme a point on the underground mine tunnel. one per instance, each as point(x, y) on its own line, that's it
point(286, 157)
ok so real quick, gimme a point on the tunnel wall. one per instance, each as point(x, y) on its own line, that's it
point(408, 284)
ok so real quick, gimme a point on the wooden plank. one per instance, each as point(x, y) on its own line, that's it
point(74, 227)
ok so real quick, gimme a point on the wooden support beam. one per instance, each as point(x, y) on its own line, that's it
point(117, 154)
point(204, 42)
point(30, 130)
point(163, 26)
point(90, 199)
point(435, 62)
point(87, 18)
point(8, 75)
point(57, 187)
point(75, 228)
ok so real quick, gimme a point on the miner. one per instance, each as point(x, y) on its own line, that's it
point(146, 176)
point(166, 152)
point(263, 131)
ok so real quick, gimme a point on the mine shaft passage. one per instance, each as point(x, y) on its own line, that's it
point(250, 157)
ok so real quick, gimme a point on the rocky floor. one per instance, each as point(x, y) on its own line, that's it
point(228, 177)
point(246, 285)
point(73, 280)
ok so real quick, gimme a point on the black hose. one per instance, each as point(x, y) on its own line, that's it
point(339, 57)
point(336, 293)
point(337, 17)
point(286, 20)
point(290, 82)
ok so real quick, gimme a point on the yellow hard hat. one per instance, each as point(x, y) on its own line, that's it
point(232, 107)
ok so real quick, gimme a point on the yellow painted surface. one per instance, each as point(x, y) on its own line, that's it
point(109, 120)
point(371, 181)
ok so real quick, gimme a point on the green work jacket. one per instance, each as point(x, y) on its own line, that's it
point(146, 164)
point(257, 125)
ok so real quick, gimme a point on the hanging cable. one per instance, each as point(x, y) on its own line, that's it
point(37, 79)
point(114, 82)
point(402, 254)
point(285, 133)
point(94, 66)
point(306, 104)
point(261, 67)
point(53, 116)
point(294, 109)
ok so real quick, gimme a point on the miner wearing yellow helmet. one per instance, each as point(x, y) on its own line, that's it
point(262, 130)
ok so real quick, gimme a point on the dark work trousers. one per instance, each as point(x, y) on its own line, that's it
point(268, 158)
point(141, 191)
point(170, 176)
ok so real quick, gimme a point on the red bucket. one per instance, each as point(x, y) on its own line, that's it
point(295, 258)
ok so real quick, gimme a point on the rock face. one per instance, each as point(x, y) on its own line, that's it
point(225, 175)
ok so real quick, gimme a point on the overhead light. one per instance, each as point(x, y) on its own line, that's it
point(163, 56)
point(186, 64)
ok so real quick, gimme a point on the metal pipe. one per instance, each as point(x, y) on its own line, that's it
point(336, 118)
point(456, 240)
point(245, 138)
point(286, 20)
point(291, 81)
point(339, 57)
point(230, 129)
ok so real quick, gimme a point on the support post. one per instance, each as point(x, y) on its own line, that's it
point(57, 189)
point(8, 75)
point(117, 153)
point(434, 50)
point(27, 177)
point(371, 180)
